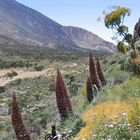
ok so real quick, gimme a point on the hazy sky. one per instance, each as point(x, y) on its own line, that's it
point(84, 13)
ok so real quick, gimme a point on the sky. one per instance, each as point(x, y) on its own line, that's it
point(84, 13)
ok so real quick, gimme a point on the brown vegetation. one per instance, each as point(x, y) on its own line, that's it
point(93, 72)
point(17, 122)
point(63, 102)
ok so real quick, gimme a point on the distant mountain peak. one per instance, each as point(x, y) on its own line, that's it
point(28, 26)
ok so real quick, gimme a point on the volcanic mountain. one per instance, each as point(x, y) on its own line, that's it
point(27, 26)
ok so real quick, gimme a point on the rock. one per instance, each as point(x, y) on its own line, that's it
point(137, 31)
point(34, 136)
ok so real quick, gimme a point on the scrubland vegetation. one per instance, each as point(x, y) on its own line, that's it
point(85, 97)
point(37, 101)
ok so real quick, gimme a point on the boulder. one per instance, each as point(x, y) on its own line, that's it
point(137, 31)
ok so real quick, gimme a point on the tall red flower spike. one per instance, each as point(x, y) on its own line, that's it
point(17, 122)
point(63, 102)
point(100, 72)
point(89, 89)
point(93, 72)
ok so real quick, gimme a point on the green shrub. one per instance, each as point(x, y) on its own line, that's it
point(16, 82)
point(38, 68)
point(113, 62)
point(14, 73)
point(121, 61)
point(78, 125)
point(14, 64)
point(11, 74)
point(2, 89)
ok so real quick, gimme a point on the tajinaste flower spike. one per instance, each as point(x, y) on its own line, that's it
point(17, 122)
point(63, 102)
point(93, 72)
point(89, 90)
point(100, 72)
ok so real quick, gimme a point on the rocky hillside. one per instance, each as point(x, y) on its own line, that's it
point(87, 40)
point(28, 26)
point(137, 31)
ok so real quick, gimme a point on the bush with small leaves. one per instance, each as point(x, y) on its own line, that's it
point(2, 89)
point(11, 74)
point(38, 68)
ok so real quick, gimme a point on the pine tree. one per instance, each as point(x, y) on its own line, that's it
point(89, 90)
point(93, 72)
point(100, 72)
point(17, 122)
point(63, 102)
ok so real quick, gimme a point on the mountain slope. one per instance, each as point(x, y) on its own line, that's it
point(86, 39)
point(28, 26)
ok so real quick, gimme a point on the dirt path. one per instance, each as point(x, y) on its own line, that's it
point(23, 74)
